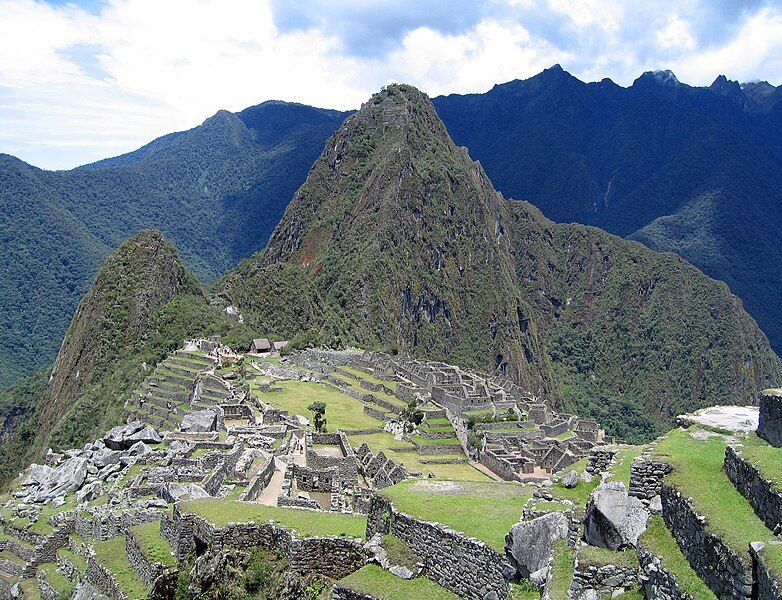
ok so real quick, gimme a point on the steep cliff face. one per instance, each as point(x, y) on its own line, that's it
point(401, 241)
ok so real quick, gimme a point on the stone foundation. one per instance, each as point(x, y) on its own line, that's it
point(657, 581)
point(646, 479)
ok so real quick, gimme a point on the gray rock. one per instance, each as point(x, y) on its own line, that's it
point(37, 474)
point(63, 480)
point(539, 577)
point(123, 437)
point(613, 519)
point(201, 420)
point(89, 492)
point(401, 571)
point(571, 480)
point(529, 542)
point(174, 492)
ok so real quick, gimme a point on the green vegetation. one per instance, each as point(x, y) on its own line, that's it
point(77, 560)
point(399, 553)
point(658, 540)
point(306, 523)
point(579, 494)
point(599, 557)
point(379, 583)
point(62, 585)
point(111, 554)
point(154, 545)
point(485, 511)
point(318, 409)
point(698, 475)
point(404, 452)
point(763, 456)
point(30, 589)
point(561, 571)
point(296, 396)
point(623, 463)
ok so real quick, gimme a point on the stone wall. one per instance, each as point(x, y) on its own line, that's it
point(259, 482)
point(502, 467)
point(331, 556)
point(599, 460)
point(103, 579)
point(342, 593)
point(604, 581)
point(646, 479)
point(103, 523)
point(728, 575)
point(759, 492)
point(465, 566)
point(770, 417)
point(769, 587)
point(47, 591)
point(657, 581)
point(147, 571)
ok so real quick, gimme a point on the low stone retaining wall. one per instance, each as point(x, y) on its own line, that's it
point(727, 574)
point(599, 460)
point(103, 579)
point(646, 479)
point(147, 571)
point(759, 492)
point(104, 523)
point(605, 581)
point(70, 570)
point(433, 449)
point(769, 587)
point(47, 591)
point(25, 552)
point(342, 593)
point(375, 413)
point(333, 557)
point(657, 581)
point(461, 564)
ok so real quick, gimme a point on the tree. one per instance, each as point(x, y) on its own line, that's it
point(319, 420)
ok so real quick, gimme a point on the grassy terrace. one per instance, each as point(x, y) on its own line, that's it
point(389, 383)
point(354, 385)
point(381, 584)
point(307, 523)
point(414, 461)
point(599, 557)
point(623, 463)
point(111, 554)
point(765, 457)
point(30, 589)
point(342, 411)
point(434, 441)
point(77, 560)
point(658, 540)
point(698, 475)
point(57, 580)
point(561, 571)
point(579, 494)
point(484, 511)
point(155, 547)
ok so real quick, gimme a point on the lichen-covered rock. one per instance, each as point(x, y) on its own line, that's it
point(63, 480)
point(529, 542)
point(570, 480)
point(201, 420)
point(613, 519)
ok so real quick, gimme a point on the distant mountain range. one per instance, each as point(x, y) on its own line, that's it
point(691, 170)
point(696, 171)
point(217, 191)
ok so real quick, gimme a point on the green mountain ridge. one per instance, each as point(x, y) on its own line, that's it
point(216, 190)
point(402, 242)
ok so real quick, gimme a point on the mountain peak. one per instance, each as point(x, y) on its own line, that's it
point(663, 77)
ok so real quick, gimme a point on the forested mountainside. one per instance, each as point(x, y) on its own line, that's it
point(143, 303)
point(397, 239)
point(217, 191)
point(696, 171)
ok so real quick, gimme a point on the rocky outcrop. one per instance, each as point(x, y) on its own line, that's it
point(613, 519)
point(529, 543)
point(123, 437)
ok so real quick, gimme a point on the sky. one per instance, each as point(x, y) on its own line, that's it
point(81, 80)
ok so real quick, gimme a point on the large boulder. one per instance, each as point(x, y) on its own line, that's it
point(770, 418)
point(63, 480)
point(613, 519)
point(37, 474)
point(123, 437)
point(529, 542)
point(174, 492)
point(201, 420)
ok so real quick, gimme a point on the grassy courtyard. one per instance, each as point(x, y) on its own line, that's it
point(381, 584)
point(307, 523)
point(342, 411)
point(414, 461)
point(485, 511)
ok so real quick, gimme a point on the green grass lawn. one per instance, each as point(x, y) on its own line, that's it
point(308, 523)
point(422, 441)
point(57, 580)
point(77, 560)
point(342, 411)
point(30, 589)
point(561, 571)
point(623, 463)
point(111, 554)
point(485, 511)
point(765, 457)
point(599, 557)
point(579, 494)
point(380, 584)
point(698, 475)
point(658, 540)
point(154, 545)
point(413, 461)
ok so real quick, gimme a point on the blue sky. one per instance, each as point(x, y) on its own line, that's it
point(85, 79)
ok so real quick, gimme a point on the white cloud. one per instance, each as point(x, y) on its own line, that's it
point(156, 67)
